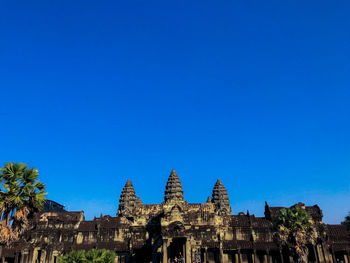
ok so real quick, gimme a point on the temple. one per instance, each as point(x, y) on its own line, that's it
point(205, 232)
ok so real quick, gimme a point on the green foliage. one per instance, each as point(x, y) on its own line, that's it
point(346, 222)
point(293, 219)
point(100, 256)
point(91, 256)
point(73, 257)
point(295, 228)
point(21, 195)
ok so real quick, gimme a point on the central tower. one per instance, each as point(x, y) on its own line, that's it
point(173, 189)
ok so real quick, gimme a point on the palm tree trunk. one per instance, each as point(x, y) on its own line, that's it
point(7, 216)
point(7, 219)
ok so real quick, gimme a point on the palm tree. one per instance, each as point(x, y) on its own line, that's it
point(21, 195)
point(100, 256)
point(75, 256)
point(346, 222)
point(91, 256)
point(295, 229)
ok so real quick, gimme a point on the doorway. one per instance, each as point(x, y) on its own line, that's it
point(177, 248)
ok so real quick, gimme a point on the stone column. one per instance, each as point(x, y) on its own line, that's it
point(54, 256)
point(325, 253)
point(30, 255)
point(236, 257)
point(188, 251)
point(316, 255)
point(25, 256)
point(265, 258)
point(34, 255)
point(240, 260)
point(320, 254)
point(333, 256)
point(269, 257)
point(165, 251)
point(205, 255)
point(22, 257)
point(221, 254)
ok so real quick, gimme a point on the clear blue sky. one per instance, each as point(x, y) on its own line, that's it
point(256, 93)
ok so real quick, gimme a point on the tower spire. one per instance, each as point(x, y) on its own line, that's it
point(173, 188)
point(220, 199)
point(127, 200)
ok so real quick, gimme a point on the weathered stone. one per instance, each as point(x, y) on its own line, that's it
point(220, 199)
point(152, 232)
point(173, 192)
point(127, 200)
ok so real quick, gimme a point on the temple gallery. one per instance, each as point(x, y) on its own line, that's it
point(196, 232)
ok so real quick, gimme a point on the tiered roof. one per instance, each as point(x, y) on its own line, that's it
point(220, 199)
point(127, 200)
point(173, 189)
point(338, 237)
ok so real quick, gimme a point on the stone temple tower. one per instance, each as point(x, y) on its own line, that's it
point(127, 200)
point(173, 189)
point(220, 199)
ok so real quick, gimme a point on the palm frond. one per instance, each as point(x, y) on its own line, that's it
point(21, 194)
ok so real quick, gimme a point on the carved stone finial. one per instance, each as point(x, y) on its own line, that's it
point(138, 201)
point(127, 200)
point(220, 199)
point(173, 189)
point(208, 200)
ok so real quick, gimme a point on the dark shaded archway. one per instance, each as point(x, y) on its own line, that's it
point(177, 247)
point(143, 255)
